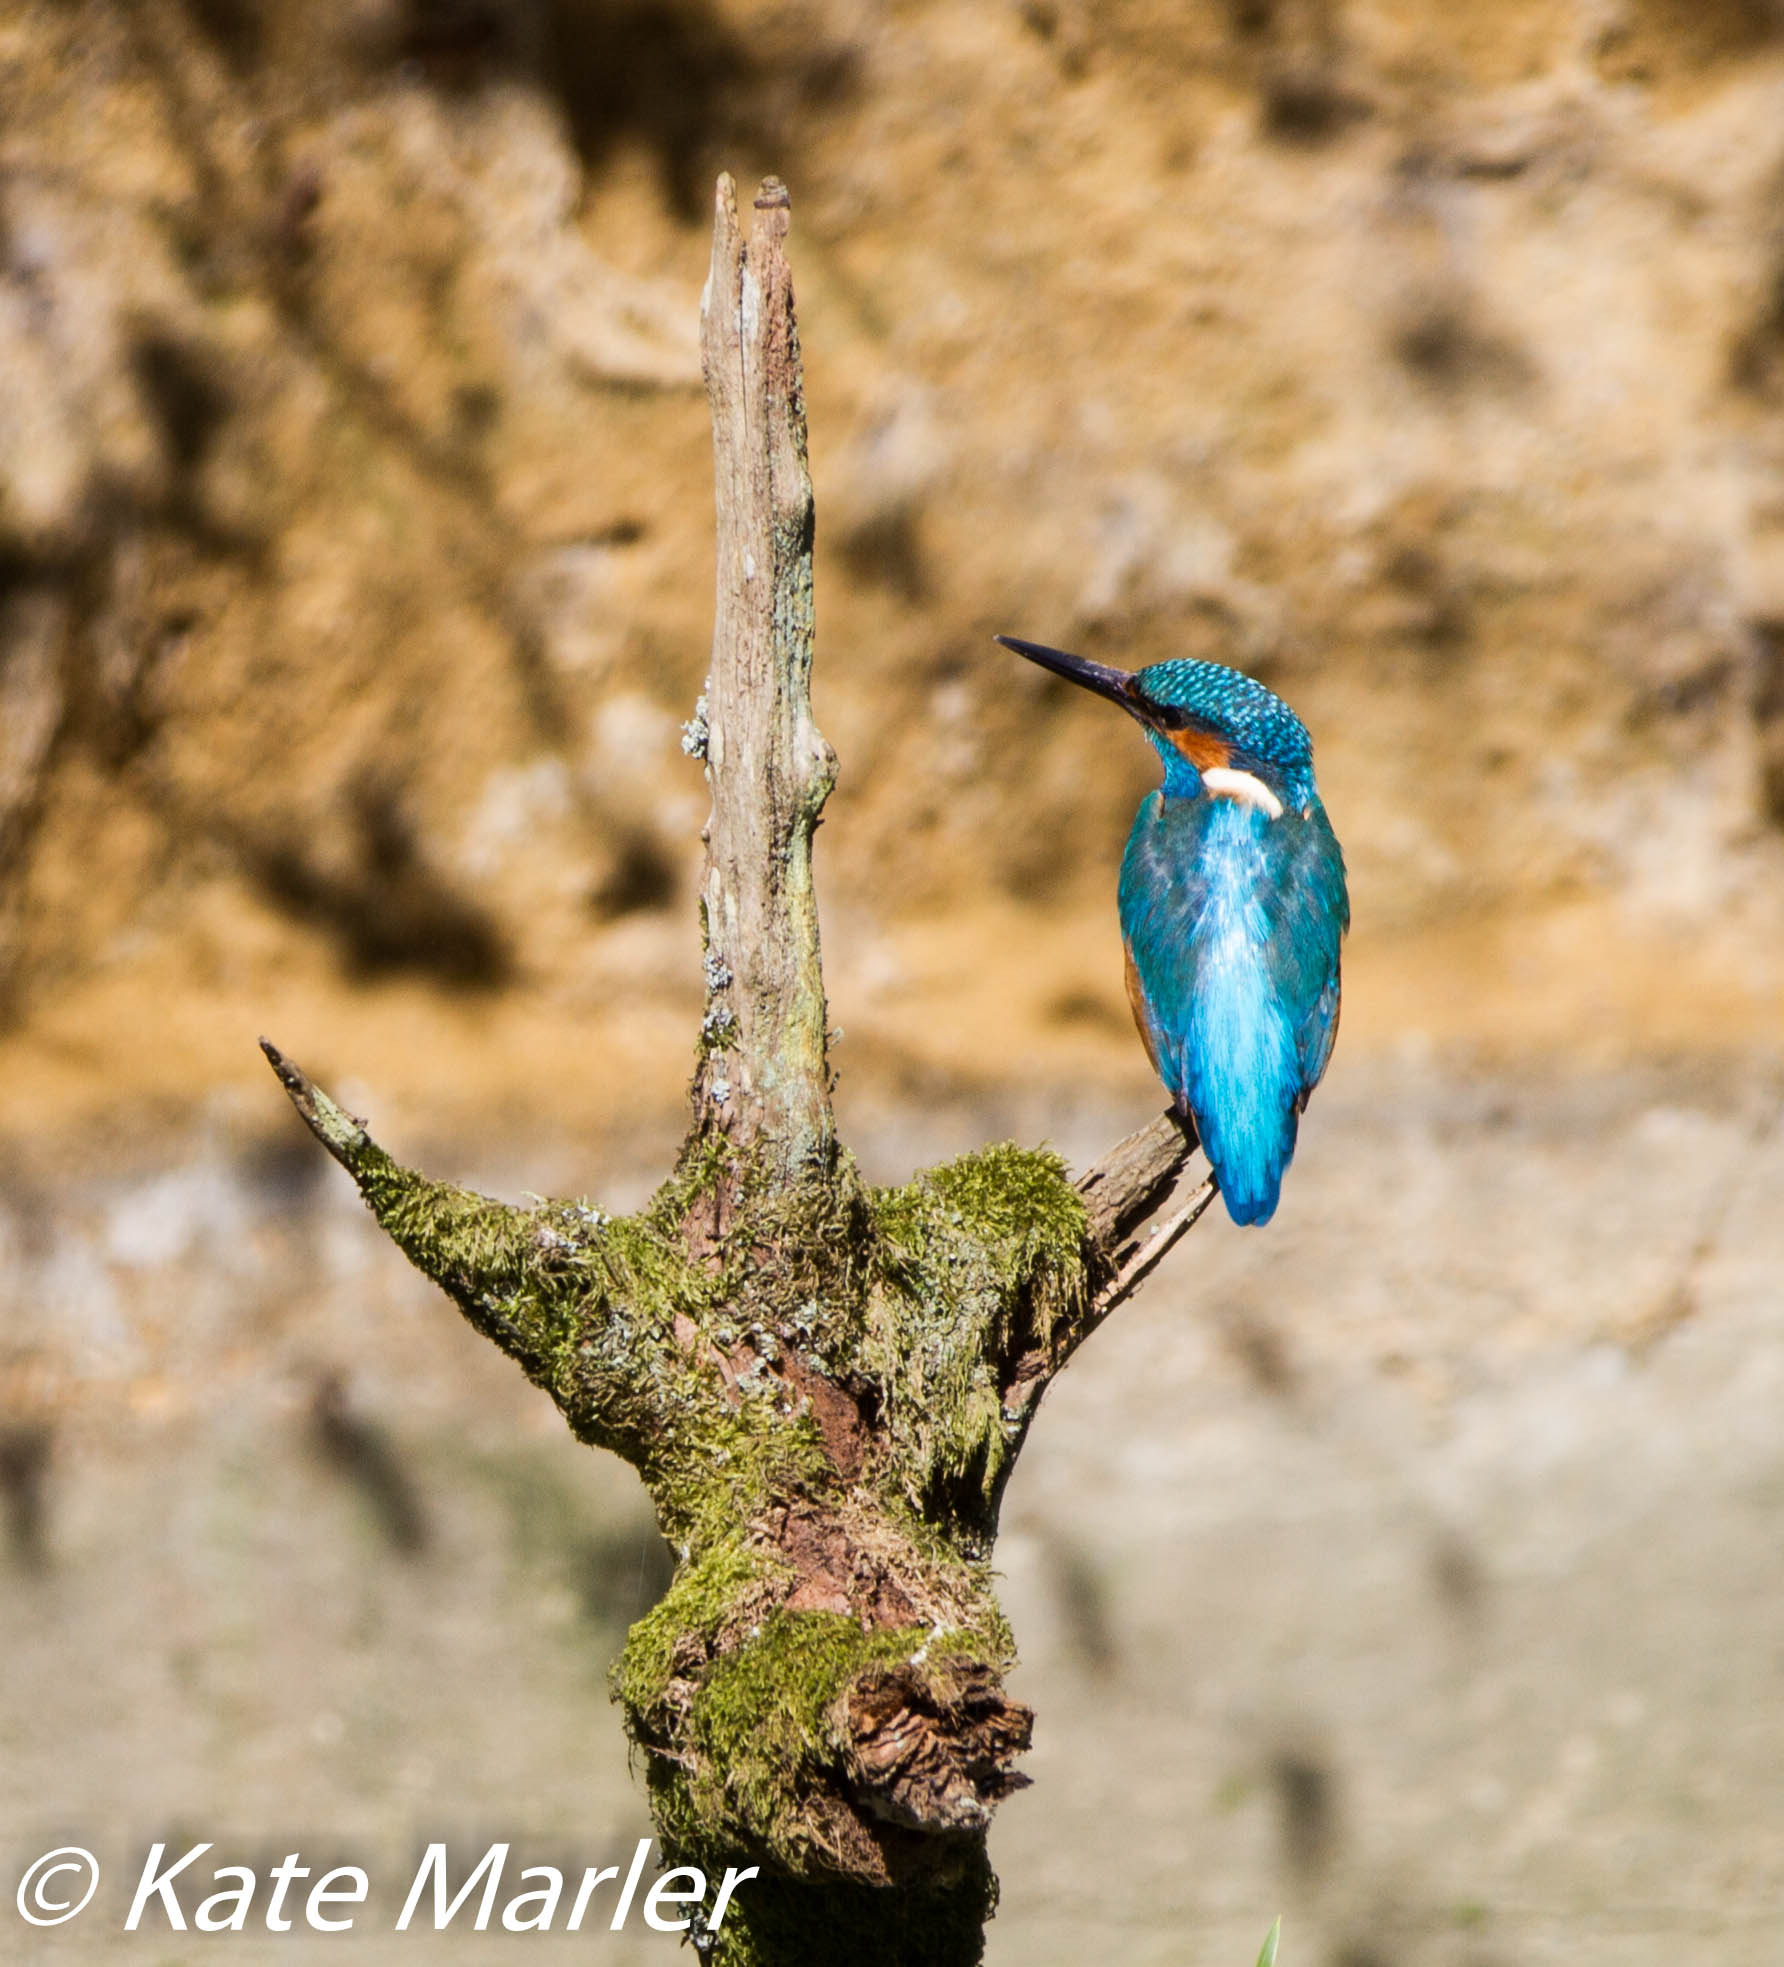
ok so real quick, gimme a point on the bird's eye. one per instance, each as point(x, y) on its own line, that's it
point(1171, 716)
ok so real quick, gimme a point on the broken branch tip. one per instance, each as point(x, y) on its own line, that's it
point(341, 1132)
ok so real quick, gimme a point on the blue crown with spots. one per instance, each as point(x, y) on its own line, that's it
point(1235, 708)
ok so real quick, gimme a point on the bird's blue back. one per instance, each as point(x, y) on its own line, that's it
point(1232, 917)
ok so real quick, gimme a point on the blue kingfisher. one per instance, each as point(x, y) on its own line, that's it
point(1233, 904)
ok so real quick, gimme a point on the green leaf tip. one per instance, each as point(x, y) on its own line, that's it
point(1271, 1939)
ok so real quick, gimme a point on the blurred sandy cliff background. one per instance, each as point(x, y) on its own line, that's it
point(1412, 1564)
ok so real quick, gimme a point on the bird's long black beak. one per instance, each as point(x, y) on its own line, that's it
point(1115, 684)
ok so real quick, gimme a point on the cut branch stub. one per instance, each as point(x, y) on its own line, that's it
point(763, 1073)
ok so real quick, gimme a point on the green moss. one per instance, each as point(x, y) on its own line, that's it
point(763, 1711)
point(459, 1238)
point(586, 1304)
point(589, 1306)
point(762, 1725)
point(967, 1256)
point(912, 1299)
point(706, 1160)
point(916, 1291)
point(742, 1692)
point(724, 1466)
point(688, 1621)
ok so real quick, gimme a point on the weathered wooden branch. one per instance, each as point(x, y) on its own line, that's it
point(824, 1386)
point(1133, 1178)
point(763, 1075)
point(1125, 1190)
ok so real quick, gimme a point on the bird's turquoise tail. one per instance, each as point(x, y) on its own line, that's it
point(1249, 1150)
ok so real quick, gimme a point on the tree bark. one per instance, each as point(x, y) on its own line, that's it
point(823, 1385)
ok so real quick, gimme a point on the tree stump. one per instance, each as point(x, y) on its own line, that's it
point(823, 1385)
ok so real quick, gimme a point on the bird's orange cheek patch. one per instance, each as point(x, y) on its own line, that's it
point(1202, 748)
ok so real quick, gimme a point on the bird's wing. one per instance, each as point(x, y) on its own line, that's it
point(1163, 896)
point(1319, 1033)
point(1311, 915)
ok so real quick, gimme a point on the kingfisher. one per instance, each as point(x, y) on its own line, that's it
point(1233, 905)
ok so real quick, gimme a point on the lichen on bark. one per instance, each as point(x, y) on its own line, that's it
point(823, 1385)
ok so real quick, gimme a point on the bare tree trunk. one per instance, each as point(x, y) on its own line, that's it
point(823, 1385)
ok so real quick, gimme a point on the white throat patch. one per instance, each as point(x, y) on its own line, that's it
point(1245, 787)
